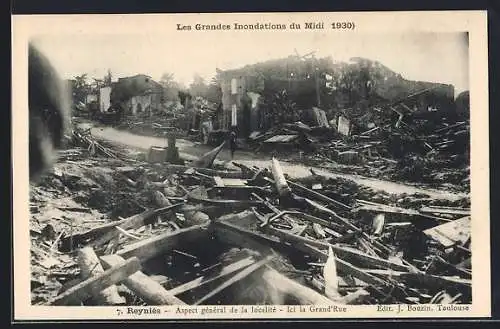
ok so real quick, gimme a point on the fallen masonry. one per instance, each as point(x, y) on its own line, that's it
point(108, 229)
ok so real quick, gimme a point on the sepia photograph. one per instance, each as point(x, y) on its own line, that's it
point(263, 166)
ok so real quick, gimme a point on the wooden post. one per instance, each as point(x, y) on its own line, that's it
point(279, 179)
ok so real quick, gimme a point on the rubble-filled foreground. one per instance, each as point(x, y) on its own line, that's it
point(110, 230)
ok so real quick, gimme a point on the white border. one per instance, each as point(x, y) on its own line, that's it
point(474, 22)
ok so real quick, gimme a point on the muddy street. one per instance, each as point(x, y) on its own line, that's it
point(190, 151)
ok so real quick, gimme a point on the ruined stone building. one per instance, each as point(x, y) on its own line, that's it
point(136, 94)
point(256, 97)
point(248, 91)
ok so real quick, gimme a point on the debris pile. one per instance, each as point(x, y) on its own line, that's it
point(382, 142)
point(110, 230)
point(158, 125)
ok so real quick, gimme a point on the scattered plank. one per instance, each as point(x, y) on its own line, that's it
point(303, 216)
point(330, 276)
point(452, 233)
point(225, 203)
point(369, 206)
point(308, 193)
point(455, 269)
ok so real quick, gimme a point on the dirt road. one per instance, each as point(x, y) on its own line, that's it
point(190, 151)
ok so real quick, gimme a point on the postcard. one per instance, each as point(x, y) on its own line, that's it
point(251, 166)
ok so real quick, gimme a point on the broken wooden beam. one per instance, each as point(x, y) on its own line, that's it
point(437, 281)
point(237, 277)
point(352, 255)
point(308, 193)
point(245, 169)
point(333, 215)
point(445, 210)
point(341, 220)
point(343, 266)
point(207, 159)
point(135, 221)
point(95, 284)
point(201, 281)
point(225, 203)
point(179, 169)
point(454, 269)
point(162, 243)
point(89, 265)
point(270, 206)
point(369, 206)
point(287, 286)
point(142, 285)
point(243, 192)
point(303, 216)
point(238, 236)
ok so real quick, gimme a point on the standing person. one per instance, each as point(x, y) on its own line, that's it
point(232, 142)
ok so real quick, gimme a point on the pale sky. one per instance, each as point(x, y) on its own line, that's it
point(434, 57)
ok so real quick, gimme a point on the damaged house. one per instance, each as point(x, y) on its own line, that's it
point(314, 91)
point(365, 93)
point(136, 94)
point(260, 96)
point(240, 96)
